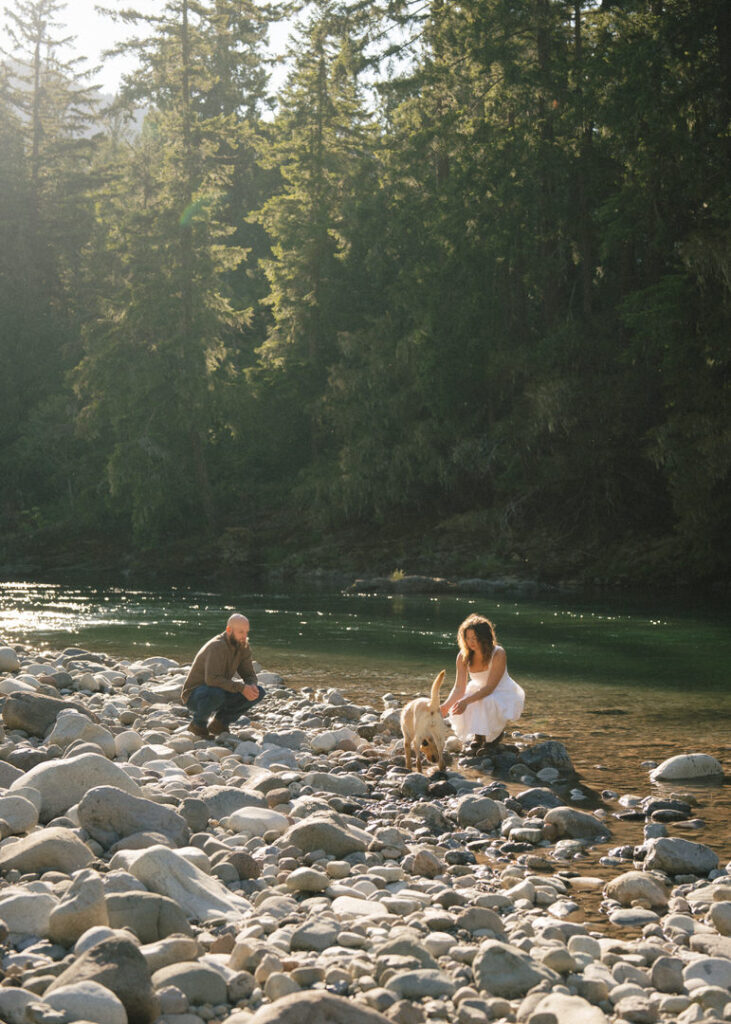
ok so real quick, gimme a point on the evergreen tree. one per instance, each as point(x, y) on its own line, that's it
point(166, 316)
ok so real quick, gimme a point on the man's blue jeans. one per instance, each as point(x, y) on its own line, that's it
point(205, 701)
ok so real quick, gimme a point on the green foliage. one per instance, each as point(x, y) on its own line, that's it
point(466, 291)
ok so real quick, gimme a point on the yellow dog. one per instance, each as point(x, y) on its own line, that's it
point(423, 727)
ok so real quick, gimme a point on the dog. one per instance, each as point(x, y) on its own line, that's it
point(423, 727)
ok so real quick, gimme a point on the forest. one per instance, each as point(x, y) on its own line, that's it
point(452, 297)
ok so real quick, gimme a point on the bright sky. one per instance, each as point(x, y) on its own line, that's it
point(95, 33)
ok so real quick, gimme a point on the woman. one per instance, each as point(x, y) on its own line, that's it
point(482, 705)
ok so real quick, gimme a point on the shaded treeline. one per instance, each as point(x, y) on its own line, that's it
point(466, 281)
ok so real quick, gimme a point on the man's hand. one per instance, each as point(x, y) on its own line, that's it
point(250, 691)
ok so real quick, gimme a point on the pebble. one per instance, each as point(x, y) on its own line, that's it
point(294, 870)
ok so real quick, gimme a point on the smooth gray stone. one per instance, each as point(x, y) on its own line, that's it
point(316, 1008)
point(107, 812)
point(150, 916)
point(505, 970)
point(119, 965)
point(576, 824)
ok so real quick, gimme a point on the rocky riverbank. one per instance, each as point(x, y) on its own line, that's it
point(296, 873)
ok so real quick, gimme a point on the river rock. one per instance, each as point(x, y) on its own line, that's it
point(19, 814)
point(576, 824)
point(474, 919)
point(408, 943)
point(550, 754)
point(557, 1008)
point(679, 857)
point(222, 801)
point(83, 906)
point(50, 849)
point(198, 981)
point(72, 726)
point(35, 713)
point(87, 1001)
point(109, 813)
point(720, 916)
point(8, 774)
point(14, 1003)
point(150, 916)
point(317, 1008)
point(343, 785)
point(328, 833)
point(687, 766)
point(637, 885)
point(62, 782)
point(708, 971)
point(257, 821)
point(352, 906)
point(168, 873)
point(505, 970)
point(119, 966)
point(307, 880)
point(9, 661)
point(26, 912)
point(315, 935)
point(421, 984)
point(711, 944)
point(480, 812)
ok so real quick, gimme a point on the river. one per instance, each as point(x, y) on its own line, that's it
point(618, 680)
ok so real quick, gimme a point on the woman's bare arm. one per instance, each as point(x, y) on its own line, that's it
point(498, 665)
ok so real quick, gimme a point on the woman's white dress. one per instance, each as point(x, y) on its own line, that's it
point(489, 716)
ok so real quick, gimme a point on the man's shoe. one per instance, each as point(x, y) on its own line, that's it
point(199, 730)
point(216, 726)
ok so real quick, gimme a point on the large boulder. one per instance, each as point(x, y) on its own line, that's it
point(62, 782)
point(679, 857)
point(687, 766)
point(49, 849)
point(119, 966)
point(572, 824)
point(35, 713)
point(504, 970)
point(478, 811)
point(200, 896)
point(329, 833)
point(109, 813)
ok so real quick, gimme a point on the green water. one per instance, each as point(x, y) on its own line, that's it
point(598, 644)
point(618, 682)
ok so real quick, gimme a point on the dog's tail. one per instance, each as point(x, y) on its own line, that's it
point(435, 688)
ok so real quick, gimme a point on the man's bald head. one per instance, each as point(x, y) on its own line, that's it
point(237, 628)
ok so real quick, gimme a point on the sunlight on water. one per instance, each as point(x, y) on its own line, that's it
point(618, 681)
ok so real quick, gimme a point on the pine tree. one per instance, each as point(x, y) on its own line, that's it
point(167, 319)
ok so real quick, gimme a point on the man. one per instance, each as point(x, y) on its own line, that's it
point(215, 698)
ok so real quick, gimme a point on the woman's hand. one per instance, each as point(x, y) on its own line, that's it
point(459, 707)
